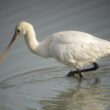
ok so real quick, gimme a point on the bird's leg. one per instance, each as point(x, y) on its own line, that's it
point(80, 73)
point(76, 73)
point(95, 67)
point(72, 73)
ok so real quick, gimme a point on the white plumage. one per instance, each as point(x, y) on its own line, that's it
point(72, 48)
point(77, 49)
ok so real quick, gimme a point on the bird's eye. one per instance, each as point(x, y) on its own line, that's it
point(18, 31)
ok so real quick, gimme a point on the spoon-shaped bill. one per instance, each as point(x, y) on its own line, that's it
point(3, 55)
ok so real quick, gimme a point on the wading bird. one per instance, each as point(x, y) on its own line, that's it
point(72, 48)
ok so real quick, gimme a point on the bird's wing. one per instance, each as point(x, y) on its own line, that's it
point(68, 37)
point(78, 46)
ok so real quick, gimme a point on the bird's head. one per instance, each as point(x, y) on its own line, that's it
point(20, 30)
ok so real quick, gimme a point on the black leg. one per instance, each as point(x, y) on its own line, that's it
point(95, 67)
point(75, 73)
point(72, 73)
point(80, 74)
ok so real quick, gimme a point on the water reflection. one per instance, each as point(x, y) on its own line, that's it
point(49, 89)
point(81, 97)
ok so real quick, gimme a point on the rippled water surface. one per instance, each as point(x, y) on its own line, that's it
point(29, 82)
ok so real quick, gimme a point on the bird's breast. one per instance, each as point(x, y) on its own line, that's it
point(62, 53)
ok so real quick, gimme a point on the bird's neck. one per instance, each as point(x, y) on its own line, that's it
point(39, 48)
point(31, 40)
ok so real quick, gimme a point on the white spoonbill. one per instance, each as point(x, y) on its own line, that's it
point(72, 48)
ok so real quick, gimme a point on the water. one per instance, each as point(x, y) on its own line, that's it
point(29, 82)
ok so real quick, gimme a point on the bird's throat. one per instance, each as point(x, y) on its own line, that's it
point(31, 41)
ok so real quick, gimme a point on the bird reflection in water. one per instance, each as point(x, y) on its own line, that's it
point(80, 98)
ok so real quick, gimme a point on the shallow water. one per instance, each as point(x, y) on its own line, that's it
point(29, 82)
point(49, 89)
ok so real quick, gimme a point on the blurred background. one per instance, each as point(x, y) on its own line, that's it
point(47, 17)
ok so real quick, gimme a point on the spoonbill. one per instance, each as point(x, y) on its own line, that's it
point(72, 48)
